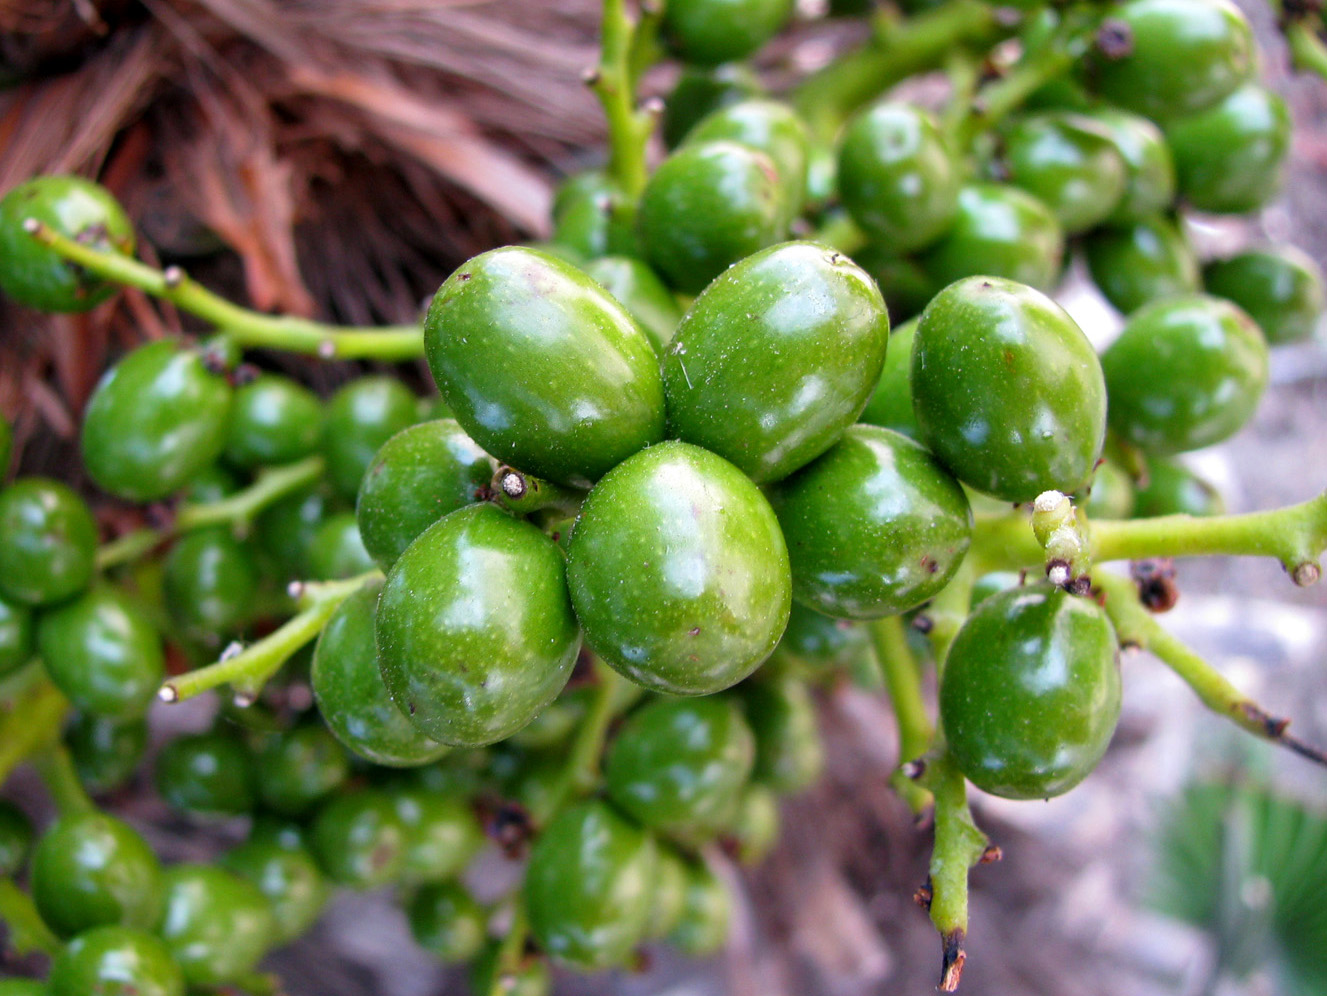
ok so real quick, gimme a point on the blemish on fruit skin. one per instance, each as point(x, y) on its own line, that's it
point(694, 631)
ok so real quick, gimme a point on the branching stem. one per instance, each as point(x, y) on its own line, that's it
point(621, 60)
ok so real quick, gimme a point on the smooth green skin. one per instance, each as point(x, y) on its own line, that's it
point(442, 833)
point(26, 987)
point(50, 542)
point(289, 878)
point(80, 209)
point(211, 484)
point(588, 886)
point(154, 420)
point(337, 550)
point(754, 829)
point(678, 765)
point(209, 773)
point(1070, 164)
point(103, 652)
point(1031, 692)
point(286, 529)
point(1231, 158)
point(114, 961)
point(16, 835)
point(1149, 167)
point(1000, 231)
point(1184, 57)
point(679, 572)
point(594, 217)
point(1185, 372)
point(669, 894)
point(773, 128)
point(700, 90)
point(776, 358)
point(542, 366)
point(531, 978)
point(992, 584)
point(90, 869)
point(708, 205)
point(1109, 495)
point(789, 751)
point(897, 176)
point(417, 477)
point(300, 766)
point(210, 581)
point(358, 419)
point(351, 695)
point(1173, 489)
point(1142, 262)
point(558, 722)
point(874, 527)
point(1280, 287)
point(532, 780)
point(642, 293)
point(709, 32)
point(1007, 390)
point(891, 402)
point(216, 924)
point(18, 638)
point(359, 839)
point(446, 921)
point(707, 910)
point(273, 420)
point(906, 286)
point(106, 751)
point(475, 630)
point(815, 640)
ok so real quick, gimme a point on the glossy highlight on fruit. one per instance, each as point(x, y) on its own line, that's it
point(1001, 231)
point(1280, 287)
point(1139, 263)
point(1069, 163)
point(50, 541)
point(359, 418)
point(707, 32)
point(216, 924)
point(115, 961)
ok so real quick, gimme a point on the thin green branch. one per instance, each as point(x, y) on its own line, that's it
point(248, 329)
point(27, 931)
point(1308, 53)
point(507, 964)
point(903, 682)
point(621, 61)
point(1135, 626)
point(32, 722)
point(56, 767)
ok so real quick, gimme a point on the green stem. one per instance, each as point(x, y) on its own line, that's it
point(27, 931)
point(903, 681)
point(250, 669)
point(523, 494)
point(614, 82)
point(56, 767)
point(270, 486)
point(1134, 625)
point(1307, 51)
point(248, 329)
point(33, 722)
point(897, 50)
point(507, 965)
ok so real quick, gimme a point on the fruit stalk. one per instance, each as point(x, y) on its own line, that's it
point(56, 767)
point(903, 683)
point(614, 82)
point(27, 932)
point(32, 722)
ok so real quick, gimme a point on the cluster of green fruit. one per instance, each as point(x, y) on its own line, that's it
point(680, 472)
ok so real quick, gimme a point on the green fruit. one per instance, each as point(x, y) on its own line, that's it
point(874, 527)
point(771, 127)
point(1231, 158)
point(285, 530)
point(1139, 263)
point(905, 285)
point(1280, 287)
point(210, 774)
point(114, 961)
point(702, 89)
point(76, 208)
point(588, 886)
point(999, 231)
point(708, 32)
point(106, 751)
point(1171, 488)
point(350, 692)
point(1069, 163)
point(789, 752)
point(1031, 692)
point(337, 551)
point(1185, 373)
point(1007, 390)
point(669, 893)
point(282, 869)
point(776, 358)
point(299, 767)
point(642, 293)
point(359, 418)
point(15, 839)
point(446, 921)
point(678, 765)
point(475, 631)
point(897, 176)
point(708, 205)
point(30, 987)
point(17, 635)
point(442, 833)
point(49, 542)
point(754, 828)
point(678, 571)
point(1149, 167)
point(103, 652)
point(273, 420)
point(530, 976)
point(216, 924)
point(359, 839)
point(90, 869)
point(815, 640)
point(417, 477)
point(706, 911)
point(1182, 56)
point(543, 368)
point(891, 403)
point(558, 722)
point(1109, 495)
point(211, 484)
point(594, 217)
point(210, 582)
point(993, 583)
point(155, 419)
